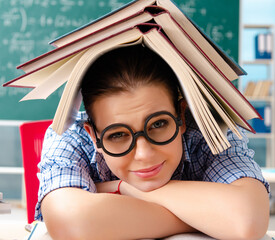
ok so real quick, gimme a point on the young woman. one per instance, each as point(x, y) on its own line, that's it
point(141, 141)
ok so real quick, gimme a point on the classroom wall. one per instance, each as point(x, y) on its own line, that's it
point(10, 157)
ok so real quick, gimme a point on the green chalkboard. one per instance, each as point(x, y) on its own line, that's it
point(26, 27)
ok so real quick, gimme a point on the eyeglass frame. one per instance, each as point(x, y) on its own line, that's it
point(135, 135)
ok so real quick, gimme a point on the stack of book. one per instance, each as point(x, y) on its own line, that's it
point(259, 89)
point(263, 46)
point(265, 125)
point(204, 71)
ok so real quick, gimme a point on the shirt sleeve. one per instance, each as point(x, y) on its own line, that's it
point(234, 163)
point(66, 161)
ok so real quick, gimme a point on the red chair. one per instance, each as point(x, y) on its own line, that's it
point(32, 136)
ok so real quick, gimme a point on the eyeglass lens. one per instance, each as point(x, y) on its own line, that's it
point(158, 129)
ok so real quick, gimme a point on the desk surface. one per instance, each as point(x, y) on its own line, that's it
point(269, 174)
point(12, 230)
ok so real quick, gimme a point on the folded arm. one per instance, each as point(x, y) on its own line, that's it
point(71, 213)
point(239, 210)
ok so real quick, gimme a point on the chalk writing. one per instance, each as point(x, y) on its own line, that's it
point(188, 7)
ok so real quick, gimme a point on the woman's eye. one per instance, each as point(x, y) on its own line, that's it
point(117, 136)
point(159, 124)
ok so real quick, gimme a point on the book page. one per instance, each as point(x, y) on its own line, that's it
point(62, 118)
point(233, 98)
point(83, 43)
point(103, 22)
point(214, 137)
point(54, 80)
point(198, 38)
point(36, 78)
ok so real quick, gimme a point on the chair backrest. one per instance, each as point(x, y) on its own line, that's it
point(32, 136)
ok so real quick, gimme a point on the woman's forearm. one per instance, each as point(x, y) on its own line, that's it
point(224, 211)
point(71, 213)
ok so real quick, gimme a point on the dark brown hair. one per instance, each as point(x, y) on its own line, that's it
point(125, 69)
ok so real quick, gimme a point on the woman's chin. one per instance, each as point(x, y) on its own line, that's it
point(149, 186)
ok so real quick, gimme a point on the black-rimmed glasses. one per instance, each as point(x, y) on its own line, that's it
point(118, 139)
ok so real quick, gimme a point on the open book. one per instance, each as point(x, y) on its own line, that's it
point(204, 71)
point(136, 12)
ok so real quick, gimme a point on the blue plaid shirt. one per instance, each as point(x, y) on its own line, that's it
point(71, 160)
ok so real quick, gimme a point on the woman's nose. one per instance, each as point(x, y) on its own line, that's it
point(143, 149)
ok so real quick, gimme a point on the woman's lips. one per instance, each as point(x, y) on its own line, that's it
point(149, 172)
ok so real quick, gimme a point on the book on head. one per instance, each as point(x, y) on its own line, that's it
point(203, 70)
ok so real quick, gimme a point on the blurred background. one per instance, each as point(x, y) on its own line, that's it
point(243, 28)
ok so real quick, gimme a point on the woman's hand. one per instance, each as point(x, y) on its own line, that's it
point(107, 187)
point(129, 190)
point(124, 189)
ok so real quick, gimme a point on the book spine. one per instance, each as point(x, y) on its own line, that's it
point(263, 46)
point(92, 22)
point(262, 126)
point(32, 61)
point(248, 126)
point(230, 61)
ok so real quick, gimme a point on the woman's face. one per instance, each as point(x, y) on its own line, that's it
point(147, 166)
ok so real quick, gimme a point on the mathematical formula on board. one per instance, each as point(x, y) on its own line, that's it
point(28, 25)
